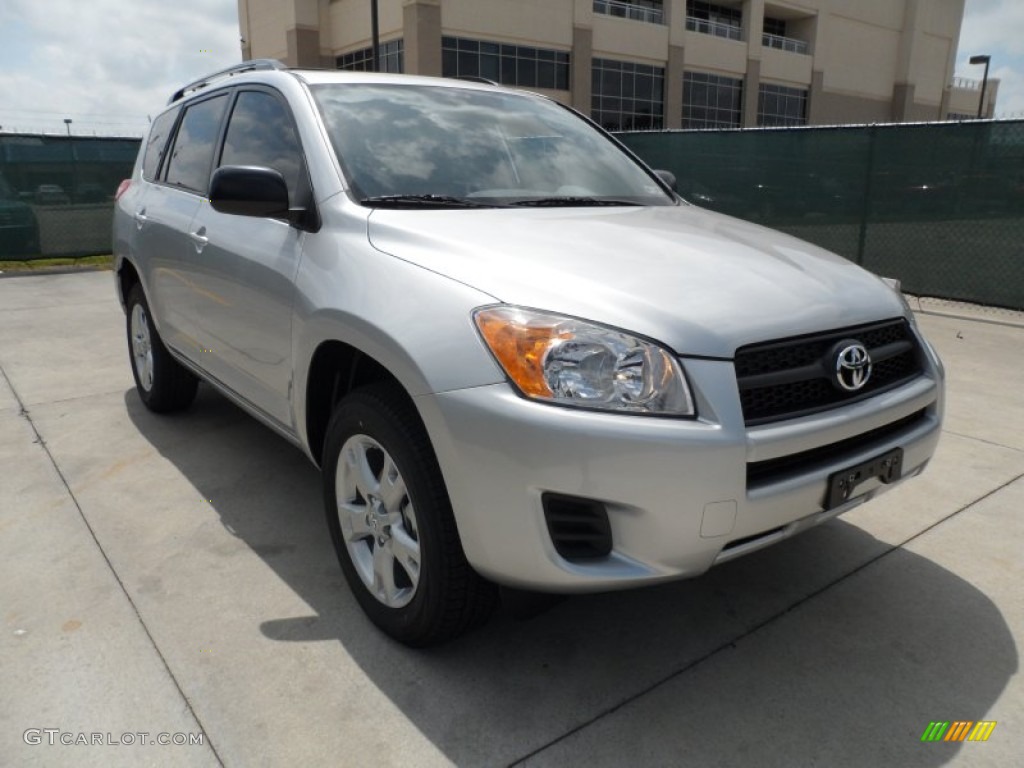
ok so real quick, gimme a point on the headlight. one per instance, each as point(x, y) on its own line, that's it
point(571, 362)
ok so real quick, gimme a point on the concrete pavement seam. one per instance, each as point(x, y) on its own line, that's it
point(62, 306)
point(983, 440)
point(42, 444)
point(986, 320)
point(757, 627)
point(64, 400)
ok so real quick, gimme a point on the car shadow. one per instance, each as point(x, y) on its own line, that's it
point(882, 652)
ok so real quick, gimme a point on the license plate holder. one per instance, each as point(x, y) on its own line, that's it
point(841, 485)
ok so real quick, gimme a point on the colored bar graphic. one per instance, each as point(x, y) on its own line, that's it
point(958, 730)
point(982, 730)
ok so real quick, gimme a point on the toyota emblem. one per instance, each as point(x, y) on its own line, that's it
point(852, 366)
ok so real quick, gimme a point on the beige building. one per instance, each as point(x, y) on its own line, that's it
point(635, 64)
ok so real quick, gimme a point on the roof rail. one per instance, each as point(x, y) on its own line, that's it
point(475, 79)
point(237, 69)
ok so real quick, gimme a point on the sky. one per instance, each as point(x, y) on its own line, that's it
point(109, 64)
point(996, 27)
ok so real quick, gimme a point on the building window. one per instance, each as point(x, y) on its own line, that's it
point(711, 19)
point(651, 11)
point(392, 58)
point(774, 36)
point(712, 101)
point(505, 64)
point(779, 105)
point(627, 96)
point(961, 116)
point(775, 27)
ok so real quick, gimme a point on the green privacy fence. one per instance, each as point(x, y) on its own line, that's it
point(57, 193)
point(939, 206)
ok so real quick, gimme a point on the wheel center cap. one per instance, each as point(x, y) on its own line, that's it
point(377, 520)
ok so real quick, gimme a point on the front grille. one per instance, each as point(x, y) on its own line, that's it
point(762, 473)
point(792, 377)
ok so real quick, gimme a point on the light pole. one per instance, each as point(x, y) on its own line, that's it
point(982, 59)
point(375, 33)
point(71, 151)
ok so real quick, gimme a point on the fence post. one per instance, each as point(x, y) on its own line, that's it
point(869, 173)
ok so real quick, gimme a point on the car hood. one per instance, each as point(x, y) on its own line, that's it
point(700, 282)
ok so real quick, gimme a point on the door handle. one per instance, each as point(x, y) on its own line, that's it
point(141, 218)
point(199, 239)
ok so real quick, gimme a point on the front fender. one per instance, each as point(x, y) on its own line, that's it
point(415, 323)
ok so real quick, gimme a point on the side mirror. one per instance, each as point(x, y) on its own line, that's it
point(246, 190)
point(669, 178)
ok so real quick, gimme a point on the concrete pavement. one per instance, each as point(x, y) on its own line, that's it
point(173, 575)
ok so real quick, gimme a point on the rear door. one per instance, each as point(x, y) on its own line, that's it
point(154, 231)
point(163, 217)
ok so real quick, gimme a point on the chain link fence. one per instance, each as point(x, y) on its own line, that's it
point(939, 206)
point(57, 193)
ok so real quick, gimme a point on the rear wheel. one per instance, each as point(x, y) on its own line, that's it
point(392, 525)
point(163, 384)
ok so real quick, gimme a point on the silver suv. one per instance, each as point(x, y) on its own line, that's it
point(516, 354)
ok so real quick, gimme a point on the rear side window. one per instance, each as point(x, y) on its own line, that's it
point(157, 145)
point(261, 132)
point(192, 157)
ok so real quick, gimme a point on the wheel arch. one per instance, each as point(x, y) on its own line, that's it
point(127, 278)
point(337, 368)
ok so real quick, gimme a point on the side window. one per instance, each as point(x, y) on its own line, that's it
point(157, 145)
point(261, 133)
point(192, 157)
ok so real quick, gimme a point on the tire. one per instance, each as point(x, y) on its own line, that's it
point(163, 384)
point(391, 522)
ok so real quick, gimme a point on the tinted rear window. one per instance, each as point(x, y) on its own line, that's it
point(157, 144)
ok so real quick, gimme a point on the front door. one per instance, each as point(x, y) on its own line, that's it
point(247, 265)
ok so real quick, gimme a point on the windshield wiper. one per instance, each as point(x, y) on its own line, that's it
point(570, 202)
point(422, 201)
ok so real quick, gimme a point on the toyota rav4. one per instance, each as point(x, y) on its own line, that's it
point(516, 355)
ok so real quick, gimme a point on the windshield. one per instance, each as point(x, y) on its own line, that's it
point(441, 145)
point(6, 193)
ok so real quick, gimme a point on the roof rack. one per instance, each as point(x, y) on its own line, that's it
point(246, 66)
point(476, 79)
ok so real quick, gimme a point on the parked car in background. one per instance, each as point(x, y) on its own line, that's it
point(51, 194)
point(516, 355)
point(91, 192)
point(19, 230)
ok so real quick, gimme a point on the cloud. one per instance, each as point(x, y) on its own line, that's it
point(109, 63)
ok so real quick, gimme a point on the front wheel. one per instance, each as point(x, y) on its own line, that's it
point(392, 525)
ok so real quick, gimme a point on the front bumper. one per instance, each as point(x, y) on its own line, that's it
point(676, 491)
